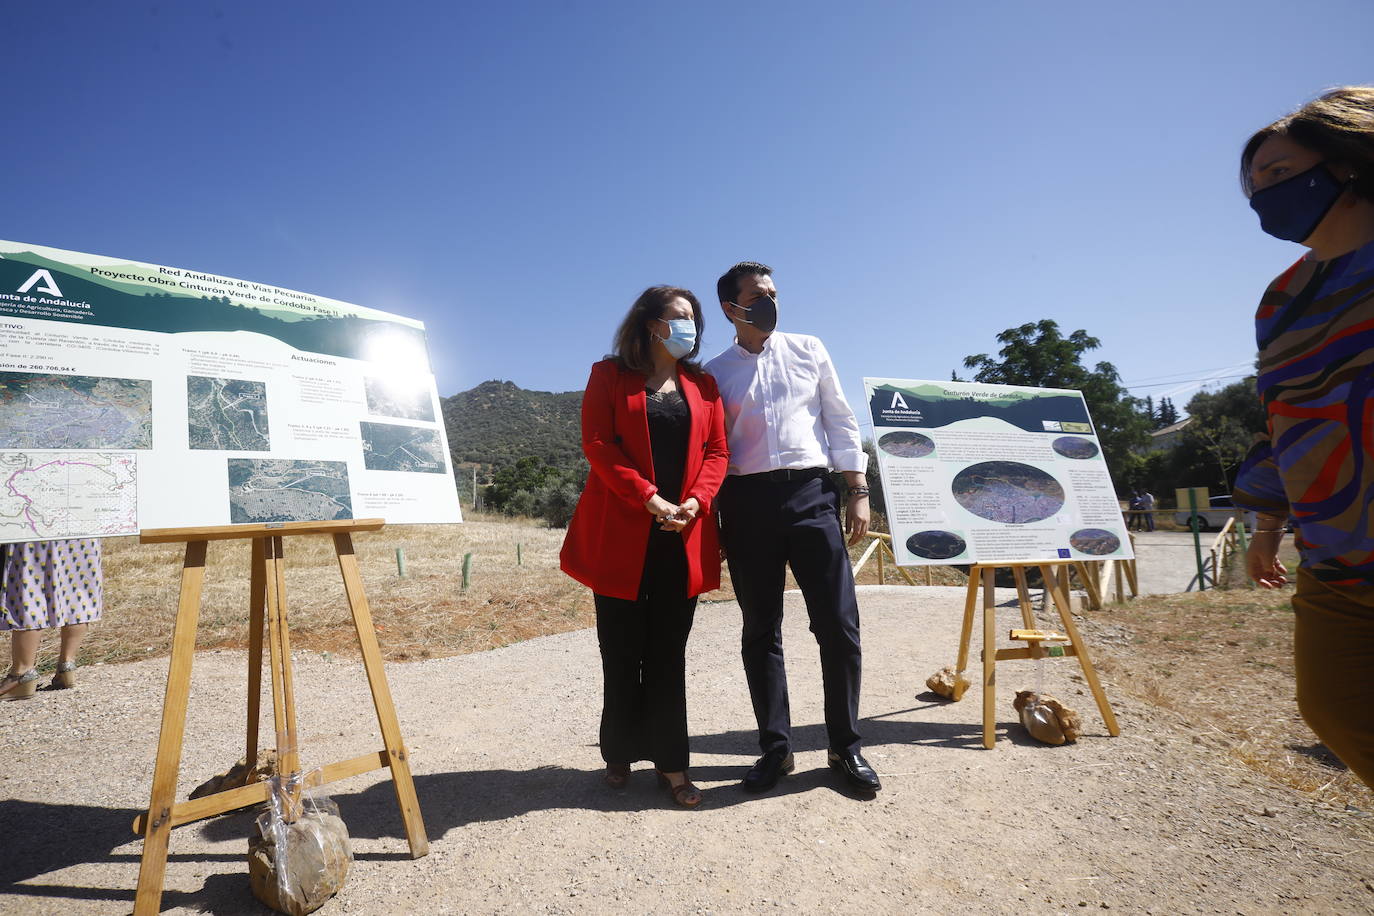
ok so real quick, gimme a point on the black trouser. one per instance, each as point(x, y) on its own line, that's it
point(767, 525)
point(644, 662)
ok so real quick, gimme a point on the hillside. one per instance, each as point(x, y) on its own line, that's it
point(497, 423)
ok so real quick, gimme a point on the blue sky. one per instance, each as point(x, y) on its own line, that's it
point(921, 175)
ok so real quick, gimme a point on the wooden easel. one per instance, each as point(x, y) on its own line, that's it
point(983, 575)
point(267, 605)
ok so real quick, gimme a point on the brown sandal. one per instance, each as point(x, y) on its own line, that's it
point(617, 775)
point(685, 795)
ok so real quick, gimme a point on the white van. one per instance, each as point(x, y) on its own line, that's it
point(1214, 516)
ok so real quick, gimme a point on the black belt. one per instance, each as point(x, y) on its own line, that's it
point(782, 474)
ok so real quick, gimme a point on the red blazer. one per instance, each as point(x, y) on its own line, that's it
point(609, 532)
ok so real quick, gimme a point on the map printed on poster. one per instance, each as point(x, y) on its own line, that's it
point(139, 396)
point(992, 473)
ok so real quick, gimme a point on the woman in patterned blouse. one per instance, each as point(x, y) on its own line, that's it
point(1310, 177)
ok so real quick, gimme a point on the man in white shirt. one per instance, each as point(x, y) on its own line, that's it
point(788, 423)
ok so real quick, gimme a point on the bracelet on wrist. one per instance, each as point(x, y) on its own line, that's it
point(858, 491)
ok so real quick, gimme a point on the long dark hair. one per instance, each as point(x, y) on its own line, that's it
point(1339, 124)
point(632, 346)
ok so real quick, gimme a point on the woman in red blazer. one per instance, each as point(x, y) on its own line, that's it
point(643, 537)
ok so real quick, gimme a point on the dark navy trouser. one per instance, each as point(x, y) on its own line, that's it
point(766, 526)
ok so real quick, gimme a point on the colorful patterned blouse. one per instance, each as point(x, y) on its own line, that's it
point(1315, 330)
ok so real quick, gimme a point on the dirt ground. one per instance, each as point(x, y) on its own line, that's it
point(1159, 820)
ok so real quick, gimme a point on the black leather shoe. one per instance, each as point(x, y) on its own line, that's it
point(763, 775)
point(856, 770)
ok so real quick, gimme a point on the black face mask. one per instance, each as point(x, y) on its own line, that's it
point(763, 314)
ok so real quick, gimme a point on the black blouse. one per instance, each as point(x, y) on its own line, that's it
point(670, 423)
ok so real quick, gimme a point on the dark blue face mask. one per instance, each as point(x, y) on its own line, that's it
point(763, 314)
point(1293, 208)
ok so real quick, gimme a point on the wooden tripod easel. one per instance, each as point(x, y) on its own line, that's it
point(267, 605)
point(983, 575)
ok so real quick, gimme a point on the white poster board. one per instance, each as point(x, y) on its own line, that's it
point(992, 473)
point(140, 396)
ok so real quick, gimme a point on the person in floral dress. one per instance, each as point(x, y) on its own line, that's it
point(43, 585)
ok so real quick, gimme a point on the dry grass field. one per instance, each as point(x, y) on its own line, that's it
point(423, 615)
point(1221, 661)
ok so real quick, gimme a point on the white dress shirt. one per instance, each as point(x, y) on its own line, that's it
point(784, 407)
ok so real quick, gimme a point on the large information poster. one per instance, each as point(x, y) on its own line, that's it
point(139, 396)
point(992, 473)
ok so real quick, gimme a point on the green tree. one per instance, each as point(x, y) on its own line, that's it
point(1209, 452)
point(1224, 426)
point(556, 503)
point(1168, 413)
point(1038, 355)
point(528, 474)
point(521, 502)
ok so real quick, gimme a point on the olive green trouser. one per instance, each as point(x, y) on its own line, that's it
point(1333, 654)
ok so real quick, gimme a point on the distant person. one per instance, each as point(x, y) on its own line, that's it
point(44, 585)
point(1147, 505)
point(788, 425)
point(1310, 177)
point(643, 537)
point(1135, 503)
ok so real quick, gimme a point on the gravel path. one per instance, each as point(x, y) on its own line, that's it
point(1167, 562)
point(502, 742)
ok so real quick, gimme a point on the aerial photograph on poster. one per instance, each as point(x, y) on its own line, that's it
point(905, 444)
point(229, 414)
point(936, 545)
point(75, 411)
point(1097, 542)
point(403, 398)
point(280, 490)
point(393, 447)
point(1075, 447)
point(1008, 491)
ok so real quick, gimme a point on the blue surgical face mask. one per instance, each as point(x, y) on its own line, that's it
point(1293, 208)
point(682, 336)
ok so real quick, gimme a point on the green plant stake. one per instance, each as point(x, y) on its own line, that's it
point(467, 569)
point(401, 562)
point(1197, 540)
point(519, 557)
